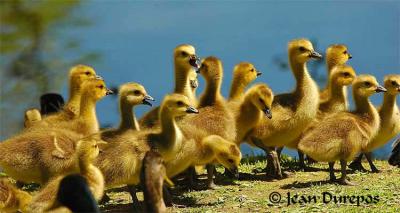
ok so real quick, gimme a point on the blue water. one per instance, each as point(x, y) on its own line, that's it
point(136, 39)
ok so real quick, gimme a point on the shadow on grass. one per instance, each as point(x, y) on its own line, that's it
point(302, 185)
point(120, 208)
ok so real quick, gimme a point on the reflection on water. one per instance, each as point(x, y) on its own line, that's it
point(35, 54)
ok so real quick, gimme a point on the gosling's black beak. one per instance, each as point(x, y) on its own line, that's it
point(146, 100)
point(109, 92)
point(380, 89)
point(350, 56)
point(267, 112)
point(235, 172)
point(315, 55)
point(98, 77)
point(192, 110)
point(195, 61)
point(259, 73)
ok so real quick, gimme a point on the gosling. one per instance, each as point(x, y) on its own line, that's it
point(342, 135)
point(390, 122)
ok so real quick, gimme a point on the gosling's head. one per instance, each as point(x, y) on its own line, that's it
point(80, 73)
point(211, 69)
point(337, 54)
point(262, 97)
point(177, 105)
point(366, 85)
point(226, 153)
point(392, 84)
point(89, 148)
point(32, 115)
point(194, 83)
point(95, 89)
point(245, 73)
point(185, 57)
point(343, 75)
point(302, 50)
point(134, 94)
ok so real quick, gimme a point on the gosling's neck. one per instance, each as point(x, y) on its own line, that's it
point(74, 97)
point(388, 106)
point(249, 116)
point(237, 89)
point(337, 94)
point(366, 109)
point(303, 78)
point(169, 129)
point(330, 63)
point(84, 165)
point(182, 83)
point(212, 94)
point(128, 118)
point(88, 113)
point(206, 152)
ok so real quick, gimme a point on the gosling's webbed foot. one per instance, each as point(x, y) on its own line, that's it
point(344, 181)
point(375, 170)
point(286, 174)
point(211, 185)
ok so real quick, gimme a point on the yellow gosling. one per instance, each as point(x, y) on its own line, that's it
point(342, 135)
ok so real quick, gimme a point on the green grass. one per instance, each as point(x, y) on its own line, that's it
point(252, 193)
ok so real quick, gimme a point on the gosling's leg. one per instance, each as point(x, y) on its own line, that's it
point(191, 177)
point(135, 200)
point(269, 169)
point(279, 152)
point(356, 164)
point(210, 176)
point(302, 164)
point(371, 163)
point(167, 196)
point(332, 176)
point(310, 160)
point(343, 180)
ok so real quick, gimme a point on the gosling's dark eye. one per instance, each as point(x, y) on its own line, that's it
point(345, 52)
point(367, 84)
point(231, 161)
point(346, 74)
point(179, 103)
point(136, 92)
point(87, 73)
point(184, 54)
point(261, 100)
point(394, 83)
point(302, 49)
point(252, 70)
point(101, 87)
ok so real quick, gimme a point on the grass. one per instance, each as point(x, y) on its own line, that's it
point(377, 192)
